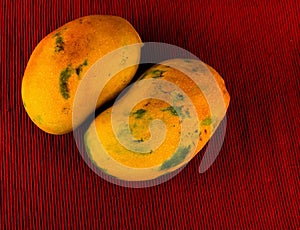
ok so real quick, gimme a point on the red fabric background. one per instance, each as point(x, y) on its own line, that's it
point(253, 183)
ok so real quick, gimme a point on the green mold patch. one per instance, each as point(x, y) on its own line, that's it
point(156, 73)
point(187, 112)
point(171, 109)
point(176, 111)
point(207, 121)
point(59, 42)
point(39, 119)
point(63, 82)
point(65, 75)
point(88, 152)
point(139, 140)
point(177, 158)
point(78, 70)
point(144, 153)
point(139, 113)
point(179, 97)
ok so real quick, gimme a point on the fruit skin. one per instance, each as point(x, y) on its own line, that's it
point(61, 59)
point(111, 157)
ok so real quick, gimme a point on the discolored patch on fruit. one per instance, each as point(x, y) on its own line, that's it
point(65, 110)
point(66, 74)
point(78, 70)
point(88, 152)
point(187, 113)
point(63, 82)
point(177, 158)
point(39, 119)
point(59, 42)
point(177, 111)
point(198, 132)
point(179, 97)
point(207, 121)
point(139, 113)
point(157, 73)
point(171, 109)
point(139, 140)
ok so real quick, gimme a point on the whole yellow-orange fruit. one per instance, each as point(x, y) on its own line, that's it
point(61, 60)
point(191, 106)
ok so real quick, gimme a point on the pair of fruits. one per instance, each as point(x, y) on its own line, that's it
point(61, 61)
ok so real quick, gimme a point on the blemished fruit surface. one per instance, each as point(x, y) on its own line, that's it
point(60, 61)
point(105, 146)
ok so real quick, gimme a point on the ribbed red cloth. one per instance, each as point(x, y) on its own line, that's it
point(254, 182)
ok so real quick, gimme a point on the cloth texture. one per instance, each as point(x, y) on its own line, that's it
point(254, 182)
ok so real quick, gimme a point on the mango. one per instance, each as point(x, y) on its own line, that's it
point(182, 132)
point(60, 61)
